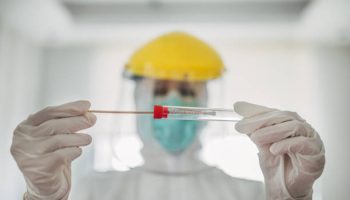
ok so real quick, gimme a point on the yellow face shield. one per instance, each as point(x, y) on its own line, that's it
point(176, 56)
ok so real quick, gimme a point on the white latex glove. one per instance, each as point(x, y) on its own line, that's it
point(291, 153)
point(45, 144)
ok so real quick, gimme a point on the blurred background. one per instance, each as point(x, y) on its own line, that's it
point(288, 54)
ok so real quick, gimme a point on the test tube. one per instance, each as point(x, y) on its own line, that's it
point(195, 113)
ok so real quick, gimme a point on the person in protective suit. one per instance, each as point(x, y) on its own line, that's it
point(172, 69)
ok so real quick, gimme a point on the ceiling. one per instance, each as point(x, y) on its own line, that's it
point(79, 21)
point(117, 12)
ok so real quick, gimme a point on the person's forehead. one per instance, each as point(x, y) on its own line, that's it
point(172, 83)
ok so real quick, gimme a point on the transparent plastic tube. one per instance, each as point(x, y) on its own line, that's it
point(195, 113)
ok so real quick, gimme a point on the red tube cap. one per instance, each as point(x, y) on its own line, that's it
point(160, 112)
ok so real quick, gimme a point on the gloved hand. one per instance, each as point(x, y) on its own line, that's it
point(291, 153)
point(45, 144)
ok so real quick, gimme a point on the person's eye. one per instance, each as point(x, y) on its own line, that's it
point(186, 92)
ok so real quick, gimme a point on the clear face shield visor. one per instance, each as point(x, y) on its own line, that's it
point(119, 138)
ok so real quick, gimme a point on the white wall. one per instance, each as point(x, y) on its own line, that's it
point(20, 79)
point(333, 72)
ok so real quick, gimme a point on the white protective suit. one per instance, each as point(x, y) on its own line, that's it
point(165, 176)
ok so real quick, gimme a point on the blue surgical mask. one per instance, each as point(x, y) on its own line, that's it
point(175, 135)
